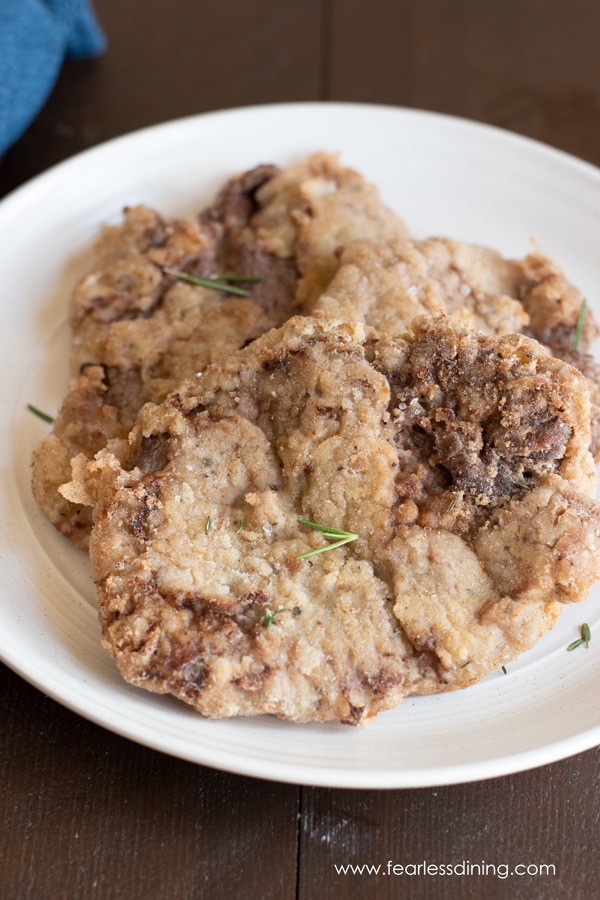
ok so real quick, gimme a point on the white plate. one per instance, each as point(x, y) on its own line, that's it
point(444, 176)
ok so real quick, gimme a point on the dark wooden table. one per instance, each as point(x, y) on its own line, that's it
point(84, 813)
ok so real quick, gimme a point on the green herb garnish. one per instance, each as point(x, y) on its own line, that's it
point(271, 617)
point(451, 505)
point(248, 279)
point(240, 526)
point(580, 324)
point(208, 524)
point(218, 282)
point(586, 636)
point(41, 415)
point(518, 482)
point(336, 535)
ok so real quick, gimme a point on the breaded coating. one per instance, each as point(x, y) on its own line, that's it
point(387, 285)
point(311, 211)
point(552, 303)
point(139, 330)
point(456, 463)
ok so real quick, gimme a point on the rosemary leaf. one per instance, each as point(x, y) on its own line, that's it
point(41, 415)
point(327, 529)
point(575, 644)
point(336, 535)
point(270, 618)
point(325, 547)
point(248, 279)
point(586, 634)
point(207, 282)
point(580, 324)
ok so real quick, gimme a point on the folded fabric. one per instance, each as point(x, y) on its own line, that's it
point(35, 37)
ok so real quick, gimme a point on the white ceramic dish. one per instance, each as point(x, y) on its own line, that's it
point(444, 176)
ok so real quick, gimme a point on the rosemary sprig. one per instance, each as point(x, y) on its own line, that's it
point(580, 324)
point(218, 282)
point(271, 617)
point(586, 636)
point(41, 415)
point(336, 535)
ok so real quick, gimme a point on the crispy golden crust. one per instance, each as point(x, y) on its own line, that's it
point(386, 285)
point(139, 332)
point(552, 303)
point(459, 460)
point(313, 210)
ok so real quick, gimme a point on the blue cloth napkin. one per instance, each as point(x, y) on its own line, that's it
point(35, 37)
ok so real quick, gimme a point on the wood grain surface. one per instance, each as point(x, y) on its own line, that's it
point(85, 813)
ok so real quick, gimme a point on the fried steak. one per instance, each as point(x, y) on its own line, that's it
point(386, 286)
point(139, 331)
point(457, 463)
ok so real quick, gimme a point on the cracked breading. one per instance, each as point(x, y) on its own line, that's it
point(138, 332)
point(387, 285)
point(313, 210)
point(474, 512)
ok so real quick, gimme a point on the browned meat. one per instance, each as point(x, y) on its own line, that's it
point(456, 465)
point(387, 285)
